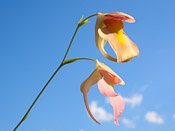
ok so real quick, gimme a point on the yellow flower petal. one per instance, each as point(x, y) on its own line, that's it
point(91, 80)
point(109, 27)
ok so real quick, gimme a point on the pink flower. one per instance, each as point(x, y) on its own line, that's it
point(106, 87)
point(109, 27)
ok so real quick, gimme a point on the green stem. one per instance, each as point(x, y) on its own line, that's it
point(62, 64)
point(25, 116)
point(87, 59)
point(89, 17)
point(78, 26)
point(75, 59)
point(70, 43)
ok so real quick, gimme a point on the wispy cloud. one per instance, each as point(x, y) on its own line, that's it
point(135, 100)
point(100, 113)
point(128, 123)
point(81, 129)
point(154, 117)
point(174, 116)
point(143, 88)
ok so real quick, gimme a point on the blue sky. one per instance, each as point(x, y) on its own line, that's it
point(34, 36)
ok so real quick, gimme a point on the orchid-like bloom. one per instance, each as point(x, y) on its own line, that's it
point(109, 27)
point(105, 79)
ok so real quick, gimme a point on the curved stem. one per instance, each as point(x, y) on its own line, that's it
point(62, 64)
point(87, 59)
point(75, 59)
point(89, 17)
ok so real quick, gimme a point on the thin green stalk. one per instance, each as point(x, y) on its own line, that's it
point(78, 26)
point(87, 59)
point(75, 59)
point(25, 116)
point(89, 17)
point(71, 43)
point(62, 64)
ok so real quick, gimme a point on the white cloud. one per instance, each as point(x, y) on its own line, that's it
point(174, 116)
point(143, 88)
point(128, 123)
point(135, 100)
point(100, 113)
point(154, 117)
point(81, 129)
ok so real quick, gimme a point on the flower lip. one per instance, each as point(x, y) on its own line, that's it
point(105, 78)
point(117, 79)
point(106, 70)
point(120, 16)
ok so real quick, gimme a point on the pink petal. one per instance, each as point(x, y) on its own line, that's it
point(118, 107)
point(120, 16)
point(104, 68)
point(87, 107)
point(116, 78)
point(105, 89)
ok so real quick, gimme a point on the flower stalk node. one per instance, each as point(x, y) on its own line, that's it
point(70, 61)
point(84, 22)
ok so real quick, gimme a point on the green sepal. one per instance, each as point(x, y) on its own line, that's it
point(80, 19)
point(84, 22)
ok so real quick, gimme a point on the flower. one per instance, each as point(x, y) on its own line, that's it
point(109, 27)
point(106, 87)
